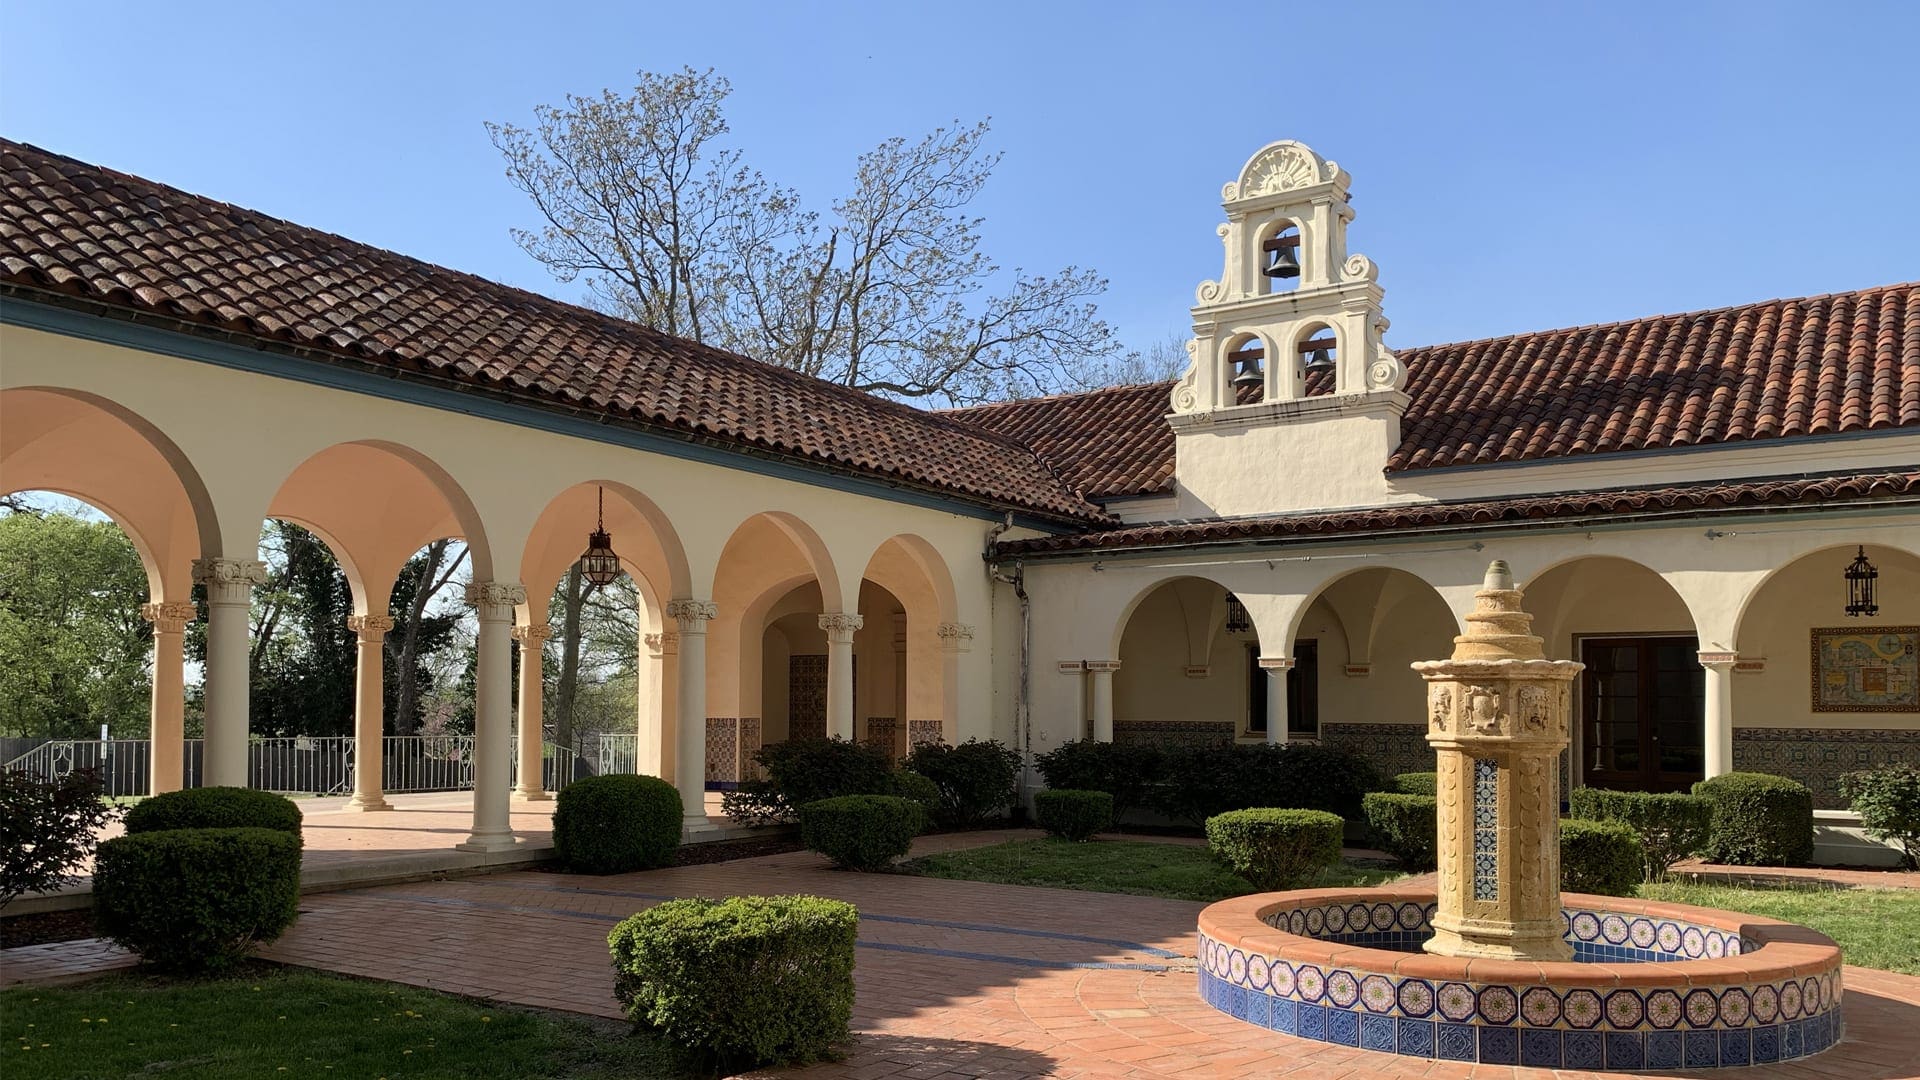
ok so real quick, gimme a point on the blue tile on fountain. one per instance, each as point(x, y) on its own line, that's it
point(1457, 1042)
point(1499, 1046)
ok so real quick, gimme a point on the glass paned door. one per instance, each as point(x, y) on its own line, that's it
point(1641, 715)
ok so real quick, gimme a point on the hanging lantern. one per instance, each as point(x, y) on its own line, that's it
point(1238, 621)
point(600, 565)
point(1861, 576)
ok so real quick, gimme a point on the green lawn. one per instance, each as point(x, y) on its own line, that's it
point(1136, 867)
point(1876, 928)
point(275, 1022)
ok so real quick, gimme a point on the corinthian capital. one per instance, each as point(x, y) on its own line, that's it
point(840, 625)
point(954, 636)
point(693, 615)
point(371, 628)
point(169, 617)
point(495, 599)
point(229, 581)
point(662, 644)
point(532, 635)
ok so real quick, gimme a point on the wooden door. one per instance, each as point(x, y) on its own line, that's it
point(1642, 713)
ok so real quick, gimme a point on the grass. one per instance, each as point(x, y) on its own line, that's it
point(1876, 928)
point(1134, 867)
point(272, 1022)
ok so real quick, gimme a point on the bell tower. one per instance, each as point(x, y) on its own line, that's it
point(1290, 402)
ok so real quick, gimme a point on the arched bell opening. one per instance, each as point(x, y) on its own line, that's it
point(1281, 258)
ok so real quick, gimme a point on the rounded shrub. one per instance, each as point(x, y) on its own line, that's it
point(1276, 848)
point(1404, 826)
point(1671, 825)
point(613, 824)
point(1888, 802)
point(1209, 779)
point(1600, 857)
point(861, 832)
point(195, 900)
point(800, 771)
point(740, 982)
point(906, 784)
point(1417, 783)
point(1073, 815)
point(214, 808)
point(1758, 820)
point(976, 779)
point(1126, 771)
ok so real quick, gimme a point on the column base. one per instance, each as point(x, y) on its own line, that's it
point(1533, 943)
point(692, 825)
point(375, 802)
point(537, 795)
point(487, 843)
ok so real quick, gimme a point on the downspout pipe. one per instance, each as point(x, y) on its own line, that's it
point(1023, 693)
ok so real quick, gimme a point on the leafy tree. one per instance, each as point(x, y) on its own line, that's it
point(418, 632)
point(47, 829)
point(76, 648)
point(888, 292)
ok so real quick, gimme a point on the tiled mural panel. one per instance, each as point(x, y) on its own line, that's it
point(1818, 757)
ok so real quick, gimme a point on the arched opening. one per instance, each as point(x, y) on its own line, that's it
point(1187, 672)
point(1316, 354)
point(1283, 257)
point(1639, 707)
point(910, 691)
point(1818, 693)
point(1244, 370)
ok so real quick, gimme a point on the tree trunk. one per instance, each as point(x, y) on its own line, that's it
point(406, 706)
point(572, 599)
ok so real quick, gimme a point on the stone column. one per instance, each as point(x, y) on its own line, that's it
point(1100, 697)
point(657, 757)
point(840, 627)
point(690, 770)
point(1497, 718)
point(955, 638)
point(493, 602)
point(369, 713)
point(1276, 668)
point(1077, 671)
point(1718, 702)
point(168, 725)
point(229, 584)
point(533, 639)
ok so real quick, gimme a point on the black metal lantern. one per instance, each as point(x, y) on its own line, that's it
point(600, 565)
point(1861, 575)
point(1238, 621)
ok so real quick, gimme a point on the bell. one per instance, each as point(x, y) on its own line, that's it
point(1283, 265)
point(1249, 374)
point(1319, 361)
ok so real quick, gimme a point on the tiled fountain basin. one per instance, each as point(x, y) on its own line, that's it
point(1652, 986)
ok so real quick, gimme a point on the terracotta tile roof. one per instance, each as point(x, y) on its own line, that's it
point(134, 246)
point(1885, 488)
point(1819, 365)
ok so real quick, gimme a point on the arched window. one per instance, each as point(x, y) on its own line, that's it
point(1282, 258)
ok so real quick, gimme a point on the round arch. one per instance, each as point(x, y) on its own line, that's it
point(1882, 554)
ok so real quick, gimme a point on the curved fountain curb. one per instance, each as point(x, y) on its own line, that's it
point(1774, 993)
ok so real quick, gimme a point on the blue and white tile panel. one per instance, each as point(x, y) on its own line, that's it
point(1486, 829)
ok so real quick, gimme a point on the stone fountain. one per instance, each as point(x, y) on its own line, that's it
point(1498, 966)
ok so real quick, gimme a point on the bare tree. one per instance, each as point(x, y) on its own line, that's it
point(889, 293)
point(1164, 360)
point(432, 572)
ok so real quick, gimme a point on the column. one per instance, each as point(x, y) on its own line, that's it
point(493, 602)
point(955, 638)
point(1077, 671)
point(690, 774)
point(1719, 710)
point(229, 584)
point(369, 713)
point(533, 639)
point(168, 725)
point(840, 627)
point(656, 755)
point(1277, 668)
point(1100, 697)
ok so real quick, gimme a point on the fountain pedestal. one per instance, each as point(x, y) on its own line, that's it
point(1497, 718)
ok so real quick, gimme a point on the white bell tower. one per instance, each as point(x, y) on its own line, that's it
point(1291, 313)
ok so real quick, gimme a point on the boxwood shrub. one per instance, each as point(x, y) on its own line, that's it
point(976, 779)
point(613, 824)
point(1417, 783)
point(196, 900)
point(1671, 825)
point(1758, 820)
point(800, 771)
point(1202, 781)
point(905, 784)
point(1600, 857)
point(1888, 802)
point(1126, 771)
point(1073, 815)
point(740, 982)
point(1404, 826)
point(214, 808)
point(1276, 848)
point(861, 832)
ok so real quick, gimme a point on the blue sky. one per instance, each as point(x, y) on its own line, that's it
point(1515, 167)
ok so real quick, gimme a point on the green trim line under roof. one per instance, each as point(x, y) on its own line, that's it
point(62, 316)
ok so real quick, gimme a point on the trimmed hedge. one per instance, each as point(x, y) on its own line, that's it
point(214, 808)
point(1888, 802)
point(1405, 826)
point(976, 779)
point(861, 832)
point(1671, 826)
point(1203, 781)
point(740, 982)
point(1601, 857)
point(1276, 848)
point(1758, 820)
point(196, 900)
point(1126, 771)
point(903, 784)
point(1073, 815)
point(613, 824)
point(1417, 783)
point(800, 771)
